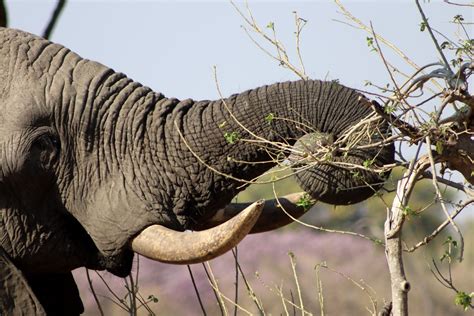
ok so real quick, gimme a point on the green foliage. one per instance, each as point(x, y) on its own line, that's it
point(356, 174)
point(463, 299)
point(270, 117)
point(409, 212)
point(445, 45)
point(271, 25)
point(458, 18)
point(467, 46)
point(423, 26)
point(450, 244)
point(371, 43)
point(306, 202)
point(390, 108)
point(367, 163)
point(439, 147)
point(231, 137)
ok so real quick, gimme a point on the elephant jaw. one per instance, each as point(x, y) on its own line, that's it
point(163, 244)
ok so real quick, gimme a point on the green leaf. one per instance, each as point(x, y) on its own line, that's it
point(445, 255)
point(439, 147)
point(271, 25)
point(458, 18)
point(389, 108)
point(306, 202)
point(445, 45)
point(408, 211)
point(463, 299)
point(231, 137)
point(370, 41)
point(367, 163)
point(448, 240)
point(423, 26)
point(270, 117)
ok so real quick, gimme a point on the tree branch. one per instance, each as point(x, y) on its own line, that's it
point(393, 229)
point(3, 14)
point(54, 19)
point(435, 41)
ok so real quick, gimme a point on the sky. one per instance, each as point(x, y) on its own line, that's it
point(172, 46)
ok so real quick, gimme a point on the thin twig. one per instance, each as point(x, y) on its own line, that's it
point(215, 287)
point(3, 14)
point(120, 301)
point(440, 198)
point(300, 24)
point(435, 41)
point(235, 251)
point(94, 294)
point(196, 290)
point(459, 4)
point(319, 286)
point(250, 290)
point(369, 291)
point(54, 19)
point(295, 276)
point(222, 295)
point(281, 54)
point(379, 50)
point(294, 219)
point(133, 295)
point(440, 228)
point(362, 26)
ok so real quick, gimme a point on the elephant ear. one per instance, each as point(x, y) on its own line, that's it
point(46, 294)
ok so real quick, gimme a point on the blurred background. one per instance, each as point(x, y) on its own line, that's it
point(172, 47)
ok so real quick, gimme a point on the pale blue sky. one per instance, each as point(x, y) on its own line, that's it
point(171, 46)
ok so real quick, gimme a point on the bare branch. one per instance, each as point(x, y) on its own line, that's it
point(196, 290)
point(54, 19)
point(459, 4)
point(3, 14)
point(94, 294)
point(435, 41)
point(440, 228)
point(393, 225)
point(441, 200)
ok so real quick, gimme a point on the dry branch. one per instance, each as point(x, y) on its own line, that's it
point(3, 14)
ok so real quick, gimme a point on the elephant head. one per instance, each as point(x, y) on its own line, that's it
point(94, 165)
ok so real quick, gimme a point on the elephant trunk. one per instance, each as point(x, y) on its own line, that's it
point(234, 140)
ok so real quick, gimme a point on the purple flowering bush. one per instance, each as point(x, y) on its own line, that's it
point(265, 261)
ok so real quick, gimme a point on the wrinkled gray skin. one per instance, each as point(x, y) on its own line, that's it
point(89, 158)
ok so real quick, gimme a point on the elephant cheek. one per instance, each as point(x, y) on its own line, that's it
point(112, 217)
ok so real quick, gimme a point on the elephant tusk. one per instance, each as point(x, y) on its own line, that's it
point(272, 216)
point(163, 244)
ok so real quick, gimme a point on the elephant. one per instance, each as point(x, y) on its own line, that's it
point(94, 167)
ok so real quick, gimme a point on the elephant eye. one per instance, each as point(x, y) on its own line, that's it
point(46, 148)
point(46, 142)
